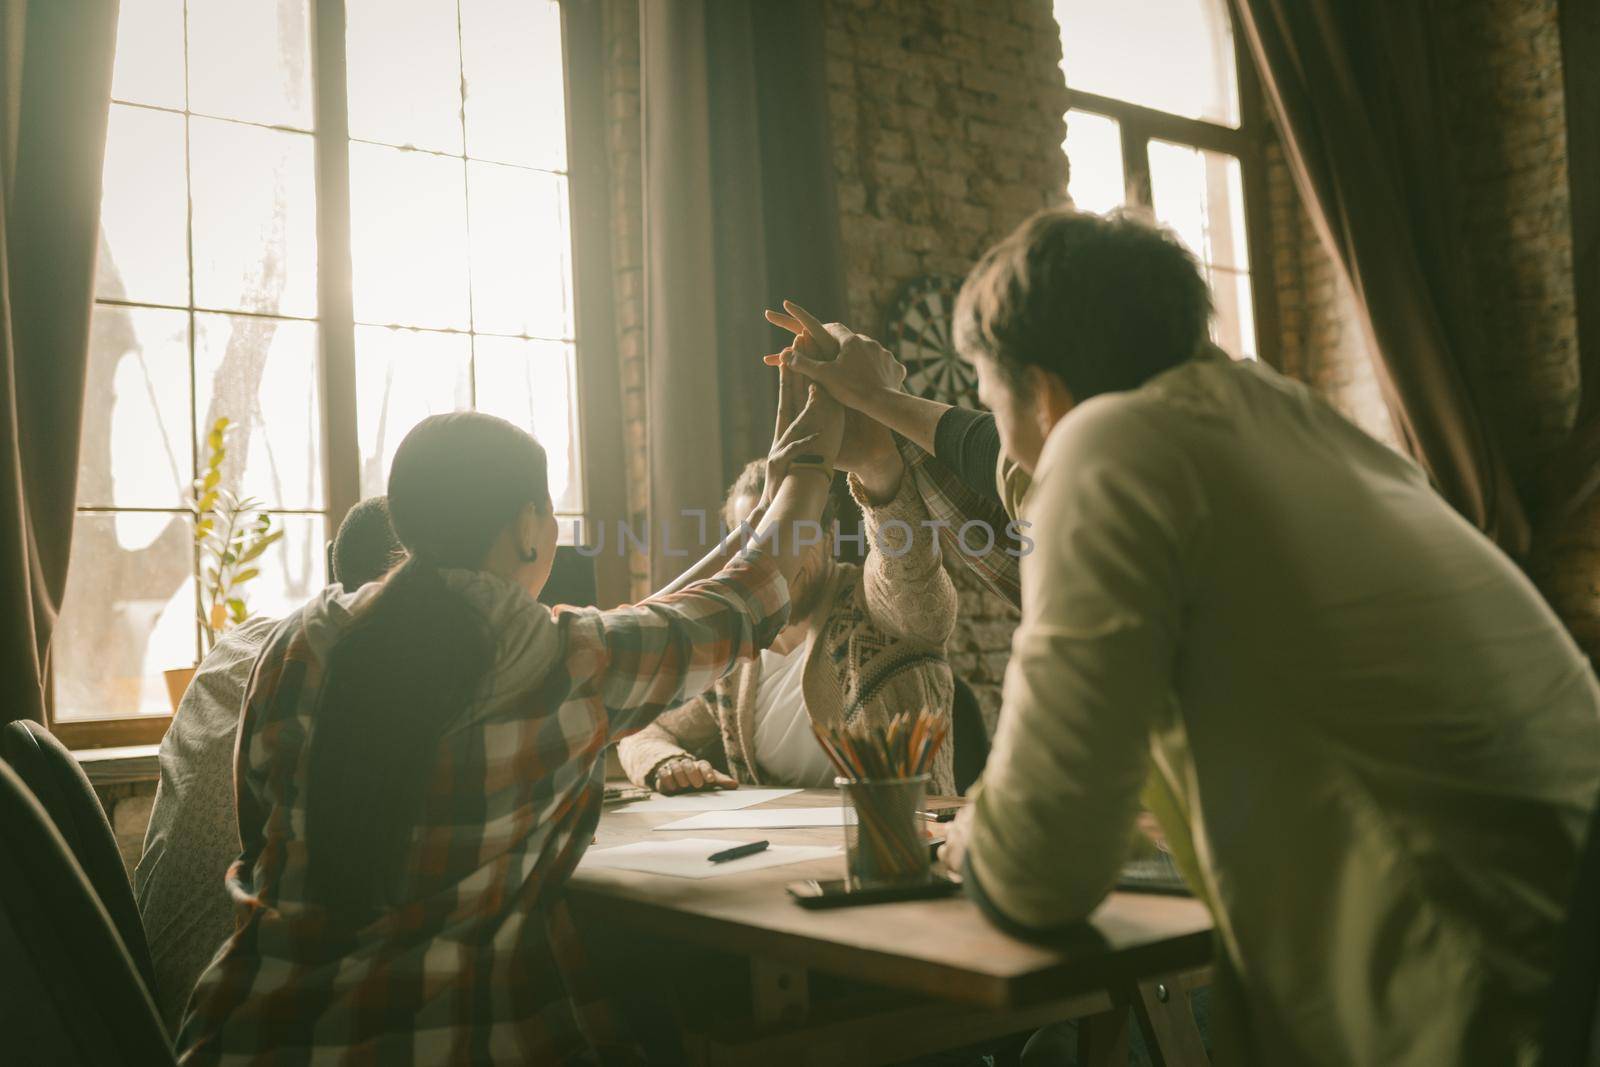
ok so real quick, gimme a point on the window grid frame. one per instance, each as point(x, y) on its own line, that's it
point(336, 322)
point(1139, 125)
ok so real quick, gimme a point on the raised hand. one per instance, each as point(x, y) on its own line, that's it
point(851, 366)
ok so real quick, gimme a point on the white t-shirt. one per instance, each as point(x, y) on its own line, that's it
point(786, 749)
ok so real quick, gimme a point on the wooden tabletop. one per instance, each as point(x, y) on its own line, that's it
point(942, 947)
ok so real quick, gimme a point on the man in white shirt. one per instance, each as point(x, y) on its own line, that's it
point(194, 831)
point(1371, 745)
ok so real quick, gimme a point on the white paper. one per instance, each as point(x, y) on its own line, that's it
point(764, 819)
point(721, 800)
point(689, 857)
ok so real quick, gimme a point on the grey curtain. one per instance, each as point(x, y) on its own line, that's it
point(57, 91)
point(739, 212)
point(1357, 86)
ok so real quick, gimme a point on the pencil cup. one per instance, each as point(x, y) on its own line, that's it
point(884, 843)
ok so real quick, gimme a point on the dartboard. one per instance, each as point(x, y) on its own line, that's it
point(920, 336)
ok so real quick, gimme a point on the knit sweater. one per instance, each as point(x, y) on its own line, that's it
point(875, 647)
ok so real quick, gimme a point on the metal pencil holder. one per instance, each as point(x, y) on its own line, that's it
point(884, 843)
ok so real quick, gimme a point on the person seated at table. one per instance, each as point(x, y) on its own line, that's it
point(1379, 745)
point(863, 644)
point(194, 833)
point(420, 767)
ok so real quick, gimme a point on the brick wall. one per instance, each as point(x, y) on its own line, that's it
point(947, 127)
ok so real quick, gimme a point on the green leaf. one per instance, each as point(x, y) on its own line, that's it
point(237, 609)
point(259, 546)
point(228, 557)
point(208, 502)
point(203, 527)
point(245, 575)
point(209, 482)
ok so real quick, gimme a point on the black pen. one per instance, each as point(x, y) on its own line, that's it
point(737, 852)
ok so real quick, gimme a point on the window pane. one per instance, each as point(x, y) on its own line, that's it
point(521, 276)
point(530, 383)
point(1200, 194)
point(1174, 56)
point(293, 569)
point(149, 64)
point(408, 237)
point(403, 376)
point(134, 448)
point(404, 70)
point(255, 218)
point(128, 614)
point(1093, 146)
point(511, 57)
point(251, 60)
point(143, 209)
point(263, 375)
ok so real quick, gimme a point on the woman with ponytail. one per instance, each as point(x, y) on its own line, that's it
point(420, 767)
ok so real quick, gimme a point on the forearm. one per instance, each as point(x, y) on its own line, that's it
point(800, 499)
point(912, 417)
point(716, 559)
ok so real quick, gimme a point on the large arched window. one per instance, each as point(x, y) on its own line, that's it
point(1166, 117)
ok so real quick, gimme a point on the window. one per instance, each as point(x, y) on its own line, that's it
point(1164, 117)
point(323, 269)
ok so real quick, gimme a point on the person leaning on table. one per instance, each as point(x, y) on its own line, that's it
point(1377, 744)
point(420, 768)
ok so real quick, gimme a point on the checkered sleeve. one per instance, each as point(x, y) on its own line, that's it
point(951, 504)
point(646, 658)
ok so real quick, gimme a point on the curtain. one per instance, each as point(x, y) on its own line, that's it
point(57, 90)
point(1358, 89)
point(1576, 477)
point(738, 213)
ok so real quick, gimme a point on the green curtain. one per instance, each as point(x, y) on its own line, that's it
point(57, 91)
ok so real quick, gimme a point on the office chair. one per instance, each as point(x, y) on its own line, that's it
point(72, 993)
point(59, 784)
point(969, 736)
point(1572, 1025)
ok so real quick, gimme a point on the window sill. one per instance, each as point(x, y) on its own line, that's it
point(119, 766)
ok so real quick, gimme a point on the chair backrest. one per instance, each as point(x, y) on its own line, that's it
point(72, 993)
point(55, 779)
point(1572, 1028)
point(969, 735)
point(572, 579)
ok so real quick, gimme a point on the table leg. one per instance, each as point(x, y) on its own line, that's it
point(1167, 1019)
point(779, 992)
point(1103, 1038)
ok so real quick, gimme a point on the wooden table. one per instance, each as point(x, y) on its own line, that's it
point(949, 975)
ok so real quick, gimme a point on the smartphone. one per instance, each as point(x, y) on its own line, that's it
point(838, 894)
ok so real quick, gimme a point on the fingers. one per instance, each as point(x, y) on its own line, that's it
point(821, 338)
point(785, 322)
point(785, 401)
point(723, 781)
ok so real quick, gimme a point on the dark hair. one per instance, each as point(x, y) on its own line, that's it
point(365, 547)
point(413, 658)
point(1103, 302)
point(749, 483)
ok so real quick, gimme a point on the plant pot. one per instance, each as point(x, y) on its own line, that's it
point(178, 680)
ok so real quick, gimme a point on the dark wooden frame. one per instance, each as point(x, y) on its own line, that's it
point(598, 388)
point(1247, 143)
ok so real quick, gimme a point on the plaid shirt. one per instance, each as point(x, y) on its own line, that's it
point(952, 503)
point(481, 964)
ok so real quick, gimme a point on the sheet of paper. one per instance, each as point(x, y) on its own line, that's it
point(688, 857)
point(721, 800)
point(763, 819)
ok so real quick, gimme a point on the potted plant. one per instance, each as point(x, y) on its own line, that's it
point(230, 534)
